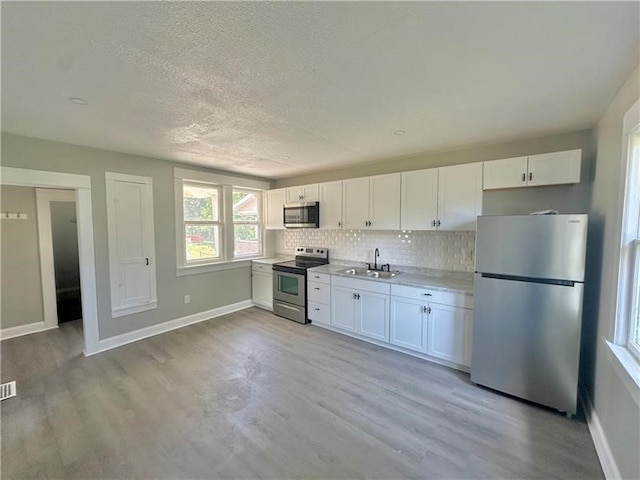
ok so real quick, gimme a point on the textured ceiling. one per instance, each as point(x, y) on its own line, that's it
point(279, 89)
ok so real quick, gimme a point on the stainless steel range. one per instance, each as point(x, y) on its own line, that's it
point(290, 283)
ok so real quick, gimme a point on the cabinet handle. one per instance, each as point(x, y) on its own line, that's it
point(358, 296)
point(524, 177)
point(316, 276)
point(530, 176)
point(438, 223)
point(317, 288)
point(428, 309)
point(433, 223)
point(339, 224)
point(146, 261)
point(317, 309)
point(355, 296)
point(427, 294)
point(424, 309)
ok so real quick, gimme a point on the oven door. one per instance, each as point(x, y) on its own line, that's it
point(289, 287)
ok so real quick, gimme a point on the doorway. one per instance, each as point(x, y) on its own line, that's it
point(80, 188)
point(59, 258)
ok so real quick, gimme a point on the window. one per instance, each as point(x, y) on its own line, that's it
point(201, 217)
point(246, 224)
point(631, 241)
point(628, 305)
point(218, 220)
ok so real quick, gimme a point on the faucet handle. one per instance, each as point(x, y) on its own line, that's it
point(368, 266)
point(388, 267)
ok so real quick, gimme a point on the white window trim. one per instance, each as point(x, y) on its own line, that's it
point(624, 359)
point(227, 182)
point(220, 223)
point(260, 224)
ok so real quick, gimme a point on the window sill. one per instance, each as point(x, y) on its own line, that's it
point(628, 368)
point(212, 267)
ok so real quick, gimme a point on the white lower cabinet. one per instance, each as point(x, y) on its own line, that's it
point(343, 308)
point(262, 285)
point(449, 333)
point(402, 316)
point(408, 323)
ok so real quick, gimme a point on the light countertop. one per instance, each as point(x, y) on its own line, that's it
point(272, 260)
point(460, 282)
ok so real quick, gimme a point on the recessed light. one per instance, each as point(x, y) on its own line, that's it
point(78, 101)
point(399, 132)
point(285, 157)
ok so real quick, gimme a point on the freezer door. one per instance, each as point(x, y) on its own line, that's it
point(526, 340)
point(537, 246)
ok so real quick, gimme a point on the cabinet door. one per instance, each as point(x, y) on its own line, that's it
point(343, 308)
point(419, 200)
point(330, 205)
point(303, 193)
point(555, 168)
point(131, 239)
point(384, 202)
point(408, 323)
point(275, 199)
point(355, 202)
point(262, 289)
point(507, 173)
point(373, 315)
point(449, 333)
point(459, 196)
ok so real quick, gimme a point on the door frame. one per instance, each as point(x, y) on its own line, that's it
point(81, 185)
point(44, 197)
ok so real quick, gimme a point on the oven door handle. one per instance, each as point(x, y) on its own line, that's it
point(289, 307)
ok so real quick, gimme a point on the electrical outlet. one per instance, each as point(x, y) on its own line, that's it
point(187, 299)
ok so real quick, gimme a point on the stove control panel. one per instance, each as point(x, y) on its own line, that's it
point(312, 252)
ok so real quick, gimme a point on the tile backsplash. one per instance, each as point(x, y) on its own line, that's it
point(452, 251)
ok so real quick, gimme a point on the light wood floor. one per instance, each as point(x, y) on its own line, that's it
point(251, 395)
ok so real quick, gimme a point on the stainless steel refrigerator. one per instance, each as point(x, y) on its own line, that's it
point(527, 316)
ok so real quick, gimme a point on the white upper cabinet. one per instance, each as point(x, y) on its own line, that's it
point(274, 201)
point(459, 196)
point(507, 173)
point(131, 243)
point(384, 203)
point(330, 204)
point(303, 193)
point(419, 204)
point(555, 168)
point(355, 203)
point(535, 170)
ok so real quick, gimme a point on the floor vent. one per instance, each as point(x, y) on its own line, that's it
point(7, 390)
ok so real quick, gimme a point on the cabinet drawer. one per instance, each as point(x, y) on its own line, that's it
point(319, 277)
point(359, 284)
point(319, 293)
point(433, 296)
point(319, 313)
point(261, 267)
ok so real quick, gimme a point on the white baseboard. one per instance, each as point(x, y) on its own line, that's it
point(130, 337)
point(608, 463)
point(20, 330)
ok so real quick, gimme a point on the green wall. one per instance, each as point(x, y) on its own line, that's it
point(207, 290)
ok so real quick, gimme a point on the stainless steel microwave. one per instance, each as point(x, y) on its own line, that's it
point(302, 215)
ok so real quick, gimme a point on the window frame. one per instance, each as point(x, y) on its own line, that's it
point(627, 295)
point(259, 223)
point(219, 223)
point(226, 184)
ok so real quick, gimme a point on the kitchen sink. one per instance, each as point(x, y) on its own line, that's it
point(378, 274)
point(365, 272)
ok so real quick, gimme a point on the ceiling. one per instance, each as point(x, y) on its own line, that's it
point(280, 89)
